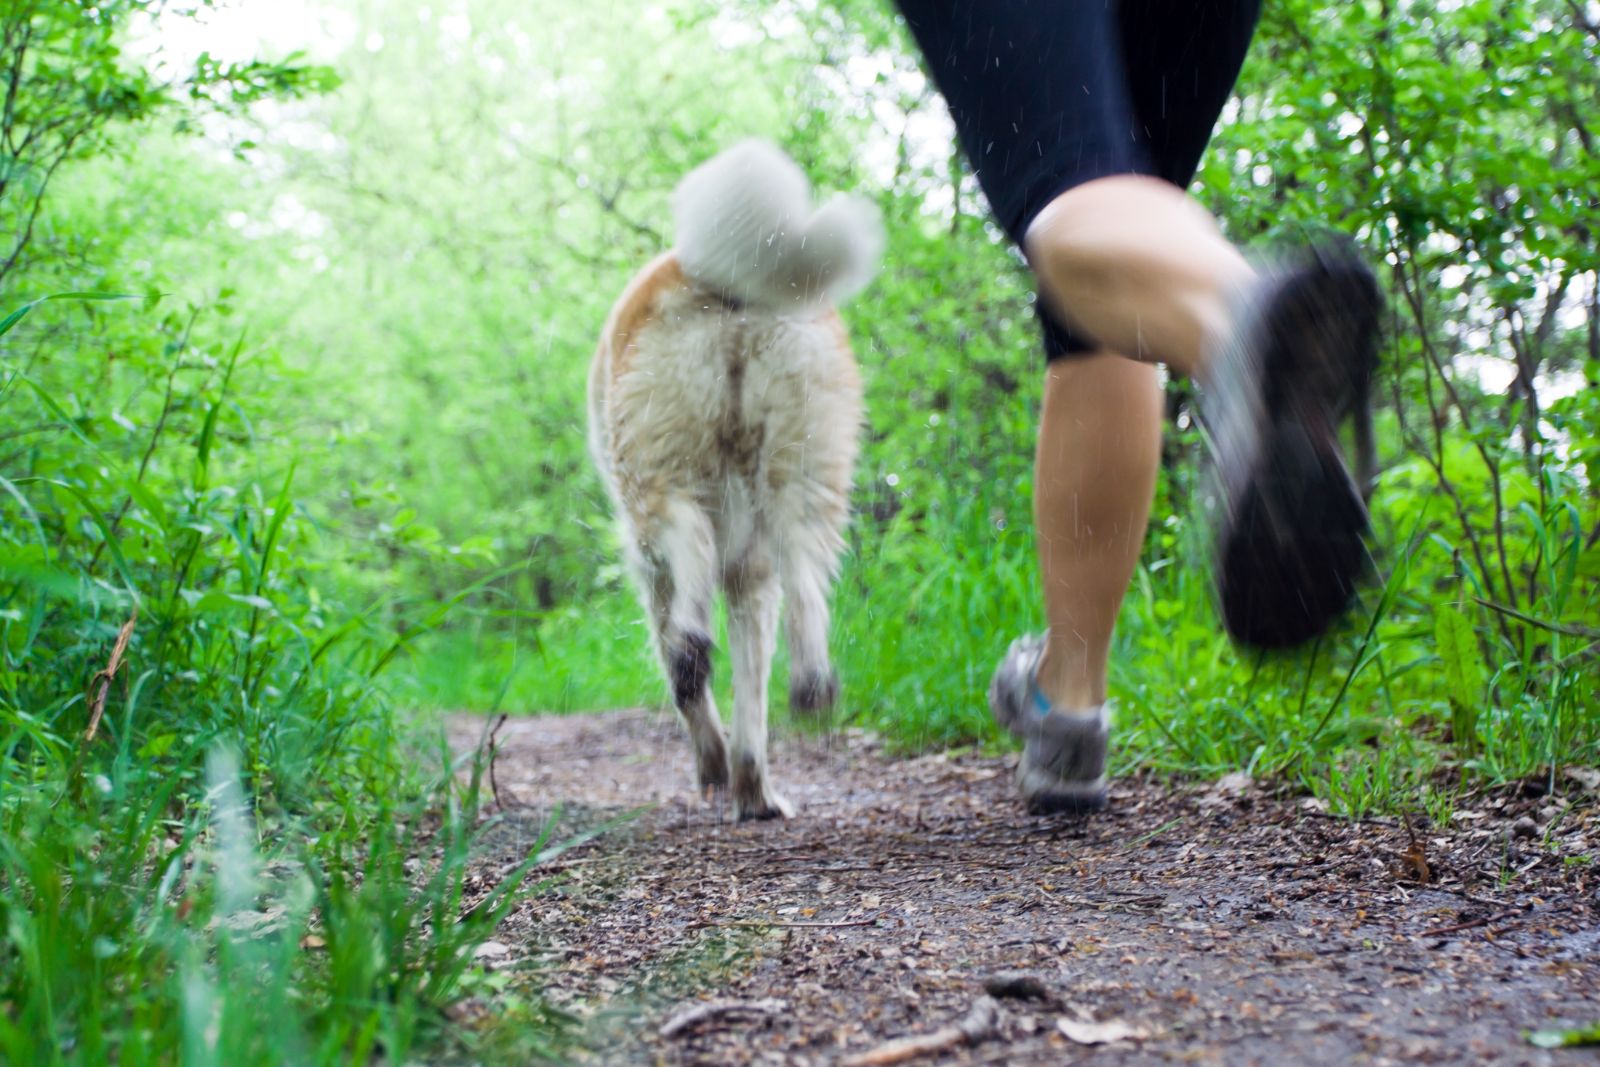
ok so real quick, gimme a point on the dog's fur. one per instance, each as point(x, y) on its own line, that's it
point(724, 406)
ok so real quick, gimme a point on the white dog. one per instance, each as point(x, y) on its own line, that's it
point(724, 406)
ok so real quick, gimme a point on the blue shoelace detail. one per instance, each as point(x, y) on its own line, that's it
point(1041, 706)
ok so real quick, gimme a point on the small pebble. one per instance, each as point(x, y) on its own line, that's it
point(1525, 827)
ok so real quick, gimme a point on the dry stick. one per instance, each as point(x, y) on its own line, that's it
point(100, 685)
point(784, 870)
point(776, 924)
point(980, 1023)
point(1488, 902)
point(1485, 921)
point(1365, 820)
point(494, 754)
point(684, 1018)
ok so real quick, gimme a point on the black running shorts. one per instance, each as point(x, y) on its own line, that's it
point(1050, 94)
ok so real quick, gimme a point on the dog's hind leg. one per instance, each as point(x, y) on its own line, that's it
point(807, 565)
point(753, 599)
point(675, 566)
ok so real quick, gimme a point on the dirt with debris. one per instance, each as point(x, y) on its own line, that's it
point(913, 913)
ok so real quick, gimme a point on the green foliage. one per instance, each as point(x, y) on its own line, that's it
point(211, 817)
point(69, 88)
point(247, 783)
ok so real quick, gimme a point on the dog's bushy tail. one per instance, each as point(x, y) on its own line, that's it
point(746, 229)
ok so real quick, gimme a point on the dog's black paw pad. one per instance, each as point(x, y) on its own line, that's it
point(814, 693)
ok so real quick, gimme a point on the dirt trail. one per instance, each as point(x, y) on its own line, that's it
point(1221, 924)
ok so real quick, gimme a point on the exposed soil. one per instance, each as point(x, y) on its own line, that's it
point(1221, 925)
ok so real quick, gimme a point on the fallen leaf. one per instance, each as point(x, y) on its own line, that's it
point(1415, 862)
point(1100, 1033)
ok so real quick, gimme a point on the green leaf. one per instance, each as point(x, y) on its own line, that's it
point(1463, 669)
point(220, 601)
point(1578, 1035)
point(157, 746)
point(208, 430)
point(22, 312)
point(1458, 649)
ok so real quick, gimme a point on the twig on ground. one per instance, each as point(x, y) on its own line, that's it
point(694, 1014)
point(980, 1023)
point(780, 924)
point(494, 754)
point(1464, 895)
point(1473, 924)
point(786, 870)
point(100, 684)
point(1365, 820)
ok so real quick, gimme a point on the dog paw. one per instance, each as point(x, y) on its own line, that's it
point(753, 795)
point(813, 694)
point(691, 667)
point(711, 767)
point(770, 806)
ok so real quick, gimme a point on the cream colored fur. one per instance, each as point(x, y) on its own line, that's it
point(724, 408)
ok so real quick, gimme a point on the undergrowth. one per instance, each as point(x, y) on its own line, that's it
point(218, 841)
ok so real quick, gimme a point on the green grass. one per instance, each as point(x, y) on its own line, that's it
point(139, 923)
point(252, 856)
point(576, 659)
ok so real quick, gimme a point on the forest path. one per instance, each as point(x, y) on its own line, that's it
point(1218, 924)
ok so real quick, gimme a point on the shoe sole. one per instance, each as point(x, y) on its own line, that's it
point(1063, 766)
point(1058, 801)
point(1293, 545)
